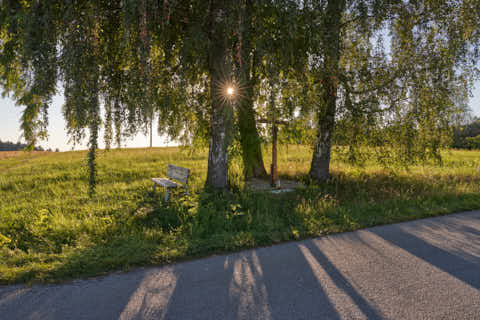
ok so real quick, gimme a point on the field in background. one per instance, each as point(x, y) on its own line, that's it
point(24, 155)
point(50, 230)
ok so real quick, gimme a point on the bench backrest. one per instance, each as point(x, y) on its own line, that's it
point(178, 173)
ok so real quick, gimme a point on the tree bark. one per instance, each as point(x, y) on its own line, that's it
point(320, 167)
point(249, 138)
point(221, 113)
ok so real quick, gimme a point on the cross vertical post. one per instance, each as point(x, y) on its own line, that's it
point(274, 181)
point(273, 169)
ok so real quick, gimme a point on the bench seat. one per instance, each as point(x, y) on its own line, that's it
point(178, 173)
point(167, 183)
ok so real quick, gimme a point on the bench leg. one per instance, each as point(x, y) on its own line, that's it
point(167, 194)
point(154, 186)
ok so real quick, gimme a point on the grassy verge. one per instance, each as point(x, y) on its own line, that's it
point(50, 230)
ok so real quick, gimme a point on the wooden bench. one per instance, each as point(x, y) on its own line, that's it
point(173, 172)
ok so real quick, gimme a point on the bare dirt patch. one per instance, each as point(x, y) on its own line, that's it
point(255, 184)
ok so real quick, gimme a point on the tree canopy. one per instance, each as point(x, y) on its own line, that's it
point(389, 74)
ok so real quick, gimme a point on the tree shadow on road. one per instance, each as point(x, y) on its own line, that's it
point(460, 257)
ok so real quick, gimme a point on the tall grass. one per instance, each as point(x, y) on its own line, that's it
point(51, 230)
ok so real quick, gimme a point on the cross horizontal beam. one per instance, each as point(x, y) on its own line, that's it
point(284, 122)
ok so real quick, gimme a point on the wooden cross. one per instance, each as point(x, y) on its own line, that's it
point(273, 167)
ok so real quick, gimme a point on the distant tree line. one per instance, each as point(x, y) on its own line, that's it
point(467, 136)
point(11, 146)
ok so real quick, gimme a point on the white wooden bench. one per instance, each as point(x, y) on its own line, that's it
point(173, 172)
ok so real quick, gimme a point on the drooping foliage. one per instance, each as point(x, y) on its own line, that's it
point(401, 72)
point(378, 78)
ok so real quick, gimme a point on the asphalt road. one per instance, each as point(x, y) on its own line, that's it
point(427, 269)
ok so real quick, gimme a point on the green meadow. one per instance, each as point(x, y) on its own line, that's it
point(50, 230)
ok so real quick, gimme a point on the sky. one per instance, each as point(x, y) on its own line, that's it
point(10, 115)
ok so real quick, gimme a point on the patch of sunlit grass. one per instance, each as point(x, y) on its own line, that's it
point(50, 230)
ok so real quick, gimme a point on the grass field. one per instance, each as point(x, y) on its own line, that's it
point(50, 230)
point(11, 154)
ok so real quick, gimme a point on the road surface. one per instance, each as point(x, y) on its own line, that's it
point(425, 269)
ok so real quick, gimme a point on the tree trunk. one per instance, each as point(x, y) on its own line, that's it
point(220, 135)
point(320, 167)
point(249, 137)
point(221, 113)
